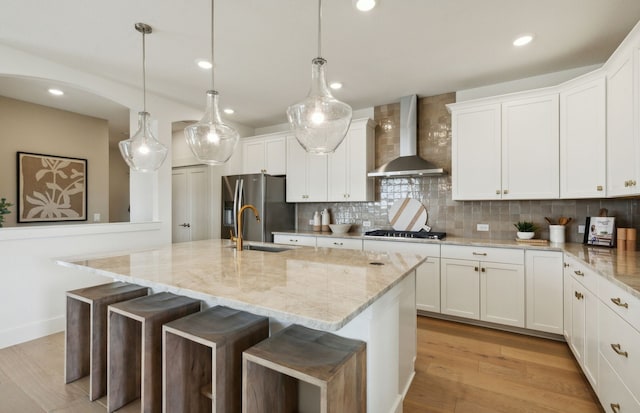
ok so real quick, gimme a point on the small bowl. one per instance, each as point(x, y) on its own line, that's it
point(525, 235)
point(340, 228)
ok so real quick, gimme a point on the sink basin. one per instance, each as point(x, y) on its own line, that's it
point(266, 248)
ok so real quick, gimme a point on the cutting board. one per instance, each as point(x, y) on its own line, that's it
point(407, 214)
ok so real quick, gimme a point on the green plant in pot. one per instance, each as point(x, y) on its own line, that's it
point(4, 209)
point(526, 230)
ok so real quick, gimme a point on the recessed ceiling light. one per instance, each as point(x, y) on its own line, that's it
point(335, 85)
point(523, 39)
point(203, 64)
point(229, 111)
point(365, 5)
point(56, 92)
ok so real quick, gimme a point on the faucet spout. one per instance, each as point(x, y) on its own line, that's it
point(238, 238)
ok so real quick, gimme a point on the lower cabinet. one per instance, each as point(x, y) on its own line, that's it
point(340, 243)
point(460, 288)
point(302, 240)
point(544, 285)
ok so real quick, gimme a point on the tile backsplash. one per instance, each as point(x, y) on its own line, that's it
point(457, 218)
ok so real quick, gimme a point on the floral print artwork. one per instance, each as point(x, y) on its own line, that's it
point(51, 188)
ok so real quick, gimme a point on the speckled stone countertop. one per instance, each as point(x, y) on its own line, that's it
point(622, 267)
point(320, 288)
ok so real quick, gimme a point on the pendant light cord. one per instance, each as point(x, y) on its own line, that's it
point(319, 28)
point(212, 65)
point(144, 74)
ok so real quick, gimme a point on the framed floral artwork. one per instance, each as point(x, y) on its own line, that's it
point(51, 188)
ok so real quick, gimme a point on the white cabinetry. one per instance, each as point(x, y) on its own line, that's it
point(303, 240)
point(338, 177)
point(427, 274)
point(583, 137)
point(340, 243)
point(623, 144)
point(349, 164)
point(506, 148)
point(582, 304)
point(483, 283)
point(544, 285)
point(265, 154)
point(306, 174)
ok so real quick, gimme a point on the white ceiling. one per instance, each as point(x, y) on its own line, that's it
point(264, 48)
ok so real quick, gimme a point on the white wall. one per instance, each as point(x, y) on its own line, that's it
point(32, 294)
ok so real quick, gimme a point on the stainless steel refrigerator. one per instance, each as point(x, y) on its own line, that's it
point(267, 194)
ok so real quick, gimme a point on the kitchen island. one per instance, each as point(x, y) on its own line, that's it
point(369, 296)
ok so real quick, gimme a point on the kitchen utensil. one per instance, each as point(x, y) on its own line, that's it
point(562, 221)
point(407, 214)
point(548, 220)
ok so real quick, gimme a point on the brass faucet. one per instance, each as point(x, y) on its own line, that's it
point(238, 239)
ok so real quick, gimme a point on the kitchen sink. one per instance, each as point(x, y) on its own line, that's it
point(266, 248)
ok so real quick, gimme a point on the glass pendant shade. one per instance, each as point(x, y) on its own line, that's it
point(320, 122)
point(212, 141)
point(143, 152)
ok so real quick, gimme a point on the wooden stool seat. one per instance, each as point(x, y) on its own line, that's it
point(202, 359)
point(134, 362)
point(86, 332)
point(336, 364)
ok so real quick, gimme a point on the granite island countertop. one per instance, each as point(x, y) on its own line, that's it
point(622, 267)
point(319, 288)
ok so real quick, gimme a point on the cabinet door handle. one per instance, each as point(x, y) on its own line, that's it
point(185, 225)
point(580, 273)
point(497, 192)
point(617, 349)
point(338, 243)
point(566, 264)
point(617, 301)
point(615, 407)
point(506, 191)
point(599, 188)
point(483, 254)
point(475, 269)
point(483, 269)
point(578, 295)
point(626, 183)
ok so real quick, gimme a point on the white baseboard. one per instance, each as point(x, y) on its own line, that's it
point(31, 331)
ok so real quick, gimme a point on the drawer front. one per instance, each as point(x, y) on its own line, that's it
point(620, 345)
point(344, 243)
point(501, 255)
point(585, 276)
point(624, 304)
point(613, 394)
point(428, 249)
point(306, 241)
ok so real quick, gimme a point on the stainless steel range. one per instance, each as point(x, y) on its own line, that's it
point(406, 234)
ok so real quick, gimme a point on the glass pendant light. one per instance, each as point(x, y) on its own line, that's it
point(320, 122)
point(212, 141)
point(143, 152)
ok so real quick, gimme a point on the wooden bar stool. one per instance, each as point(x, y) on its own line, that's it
point(134, 363)
point(202, 359)
point(86, 332)
point(272, 368)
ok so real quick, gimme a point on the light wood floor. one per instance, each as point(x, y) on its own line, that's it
point(459, 369)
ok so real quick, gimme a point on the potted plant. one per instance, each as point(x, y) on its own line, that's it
point(4, 209)
point(526, 230)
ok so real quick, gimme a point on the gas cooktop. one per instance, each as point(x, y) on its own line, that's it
point(406, 234)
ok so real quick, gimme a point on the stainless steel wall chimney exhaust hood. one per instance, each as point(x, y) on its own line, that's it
point(408, 163)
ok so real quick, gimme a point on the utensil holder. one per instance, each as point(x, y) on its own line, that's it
point(556, 233)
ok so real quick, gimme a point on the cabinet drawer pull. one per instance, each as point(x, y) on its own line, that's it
point(617, 301)
point(580, 273)
point(578, 295)
point(617, 349)
point(615, 407)
point(483, 254)
point(338, 243)
point(293, 240)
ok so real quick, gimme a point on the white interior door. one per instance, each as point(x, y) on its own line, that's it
point(191, 204)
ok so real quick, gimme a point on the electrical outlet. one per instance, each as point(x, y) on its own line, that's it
point(482, 227)
point(366, 224)
point(96, 217)
point(580, 229)
point(310, 222)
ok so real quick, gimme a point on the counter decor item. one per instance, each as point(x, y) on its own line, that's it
point(4, 209)
point(326, 218)
point(340, 228)
point(556, 233)
point(317, 225)
point(526, 230)
point(407, 214)
point(626, 239)
point(600, 231)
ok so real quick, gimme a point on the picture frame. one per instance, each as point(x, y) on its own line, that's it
point(600, 231)
point(51, 188)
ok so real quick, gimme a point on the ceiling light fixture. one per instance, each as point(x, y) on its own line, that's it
point(143, 152)
point(320, 122)
point(212, 141)
point(204, 64)
point(56, 92)
point(523, 39)
point(335, 85)
point(365, 5)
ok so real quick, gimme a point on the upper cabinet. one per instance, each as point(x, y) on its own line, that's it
point(583, 137)
point(506, 148)
point(337, 177)
point(349, 164)
point(622, 123)
point(265, 154)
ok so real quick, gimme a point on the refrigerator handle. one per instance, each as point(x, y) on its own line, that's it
point(235, 210)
